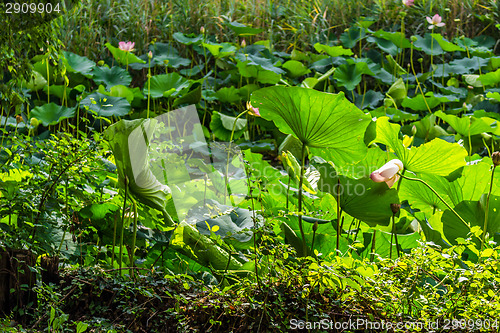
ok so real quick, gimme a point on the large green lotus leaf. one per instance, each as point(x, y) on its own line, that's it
point(397, 38)
point(361, 198)
point(446, 45)
point(106, 106)
point(468, 65)
point(420, 196)
point(262, 61)
point(473, 212)
point(490, 79)
point(228, 94)
point(332, 51)
point(397, 91)
point(191, 97)
point(129, 140)
point(317, 119)
point(436, 157)
point(165, 85)
point(220, 50)
point(257, 72)
point(394, 67)
point(418, 103)
point(465, 125)
point(296, 68)
point(383, 243)
point(371, 99)
point(123, 57)
point(36, 82)
point(61, 91)
point(187, 39)
point(351, 37)
point(234, 223)
point(222, 126)
point(122, 91)
point(350, 75)
point(473, 183)
point(52, 114)
point(242, 30)
point(111, 76)
point(78, 64)
point(385, 45)
point(396, 115)
point(164, 52)
point(427, 128)
point(358, 166)
point(428, 45)
point(101, 216)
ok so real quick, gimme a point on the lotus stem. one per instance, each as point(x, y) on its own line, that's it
point(485, 226)
point(440, 198)
point(301, 181)
point(372, 256)
point(229, 152)
point(123, 222)
point(134, 237)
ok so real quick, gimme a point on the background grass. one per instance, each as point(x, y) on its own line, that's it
point(287, 24)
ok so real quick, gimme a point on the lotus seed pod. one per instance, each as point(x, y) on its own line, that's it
point(395, 208)
point(496, 158)
point(413, 38)
point(100, 63)
point(19, 119)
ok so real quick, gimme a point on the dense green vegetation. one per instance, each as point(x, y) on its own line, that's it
point(251, 166)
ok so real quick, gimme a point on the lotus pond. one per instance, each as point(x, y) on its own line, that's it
point(226, 184)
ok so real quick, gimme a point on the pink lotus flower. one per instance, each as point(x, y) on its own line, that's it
point(253, 111)
point(388, 173)
point(127, 47)
point(435, 21)
point(408, 3)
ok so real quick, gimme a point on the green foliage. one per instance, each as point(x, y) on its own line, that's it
point(310, 232)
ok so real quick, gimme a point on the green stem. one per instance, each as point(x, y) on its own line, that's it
point(134, 237)
point(123, 222)
point(301, 181)
point(149, 87)
point(372, 256)
point(440, 198)
point(487, 208)
point(229, 152)
point(338, 215)
point(416, 79)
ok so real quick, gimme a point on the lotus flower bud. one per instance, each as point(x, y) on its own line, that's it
point(243, 43)
point(202, 30)
point(388, 173)
point(496, 158)
point(34, 122)
point(150, 55)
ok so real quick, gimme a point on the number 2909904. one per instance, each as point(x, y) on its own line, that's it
point(31, 8)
